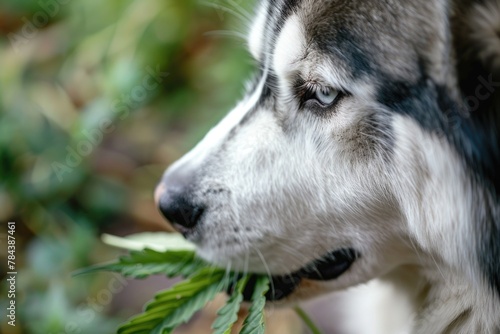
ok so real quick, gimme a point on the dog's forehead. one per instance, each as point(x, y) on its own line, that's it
point(358, 37)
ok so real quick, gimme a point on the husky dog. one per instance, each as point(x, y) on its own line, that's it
point(366, 148)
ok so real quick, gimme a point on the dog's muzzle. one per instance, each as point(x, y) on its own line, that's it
point(175, 201)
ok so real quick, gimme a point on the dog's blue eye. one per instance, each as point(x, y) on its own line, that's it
point(326, 96)
point(313, 95)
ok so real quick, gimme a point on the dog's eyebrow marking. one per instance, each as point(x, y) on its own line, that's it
point(269, 19)
point(290, 46)
point(286, 58)
point(284, 8)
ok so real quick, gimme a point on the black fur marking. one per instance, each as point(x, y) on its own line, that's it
point(419, 101)
point(270, 85)
point(345, 47)
point(298, 89)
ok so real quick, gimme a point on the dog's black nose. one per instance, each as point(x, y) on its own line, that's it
point(175, 199)
point(180, 210)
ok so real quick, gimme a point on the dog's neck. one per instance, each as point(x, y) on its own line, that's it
point(441, 212)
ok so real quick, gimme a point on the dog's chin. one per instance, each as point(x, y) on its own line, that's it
point(306, 282)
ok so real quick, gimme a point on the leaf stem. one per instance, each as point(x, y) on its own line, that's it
point(307, 320)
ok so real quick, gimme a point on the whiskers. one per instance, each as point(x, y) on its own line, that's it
point(264, 263)
point(228, 277)
point(227, 33)
point(234, 9)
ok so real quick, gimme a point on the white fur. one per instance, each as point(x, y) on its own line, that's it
point(438, 214)
point(378, 307)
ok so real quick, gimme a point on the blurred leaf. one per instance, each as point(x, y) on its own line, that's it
point(157, 241)
point(141, 264)
point(84, 66)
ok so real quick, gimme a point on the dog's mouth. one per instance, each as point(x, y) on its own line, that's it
point(328, 267)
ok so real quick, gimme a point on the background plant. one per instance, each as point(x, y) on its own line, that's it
point(81, 66)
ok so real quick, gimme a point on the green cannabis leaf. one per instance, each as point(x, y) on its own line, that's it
point(141, 264)
point(176, 306)
point(254, 322)
point(228, 314)
point(171, 308)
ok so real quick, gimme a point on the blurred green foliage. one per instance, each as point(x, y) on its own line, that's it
point(96, 99)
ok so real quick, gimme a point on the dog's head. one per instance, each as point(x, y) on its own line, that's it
point(325, 172)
